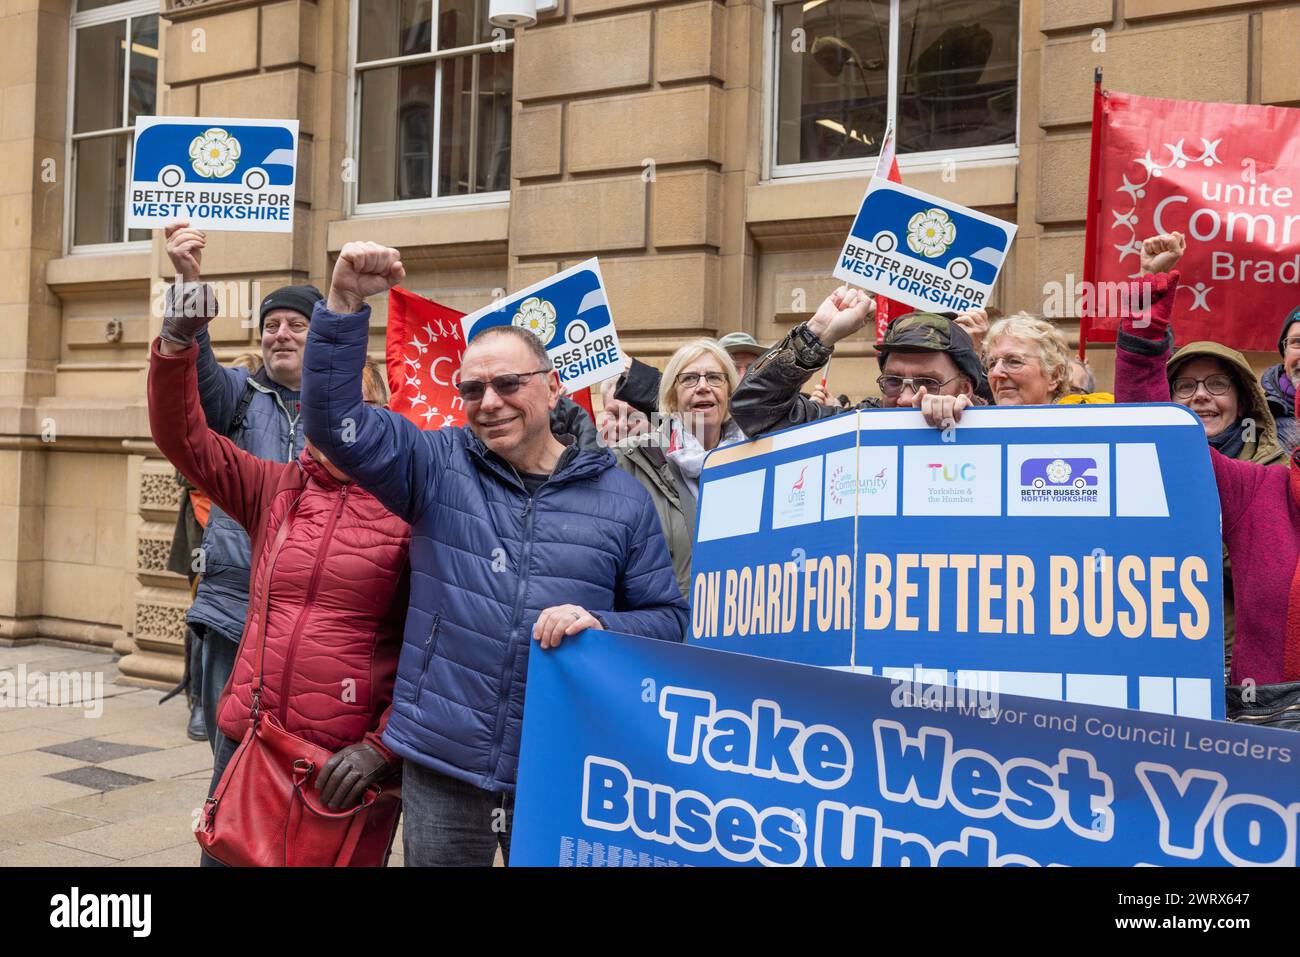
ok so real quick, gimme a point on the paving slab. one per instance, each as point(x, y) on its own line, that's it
point(172, 763)
point(42, 823)
point(45, 854)
point(123, 840)
point(99, 779)
point(95, 751)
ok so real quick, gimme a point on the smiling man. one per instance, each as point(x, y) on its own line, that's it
point(517, 536)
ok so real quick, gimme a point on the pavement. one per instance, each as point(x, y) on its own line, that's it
point(95, 772)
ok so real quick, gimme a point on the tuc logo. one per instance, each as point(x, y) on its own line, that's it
point(951, 472)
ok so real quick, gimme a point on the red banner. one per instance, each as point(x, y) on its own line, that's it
point(423, 348)
point(1226, 177)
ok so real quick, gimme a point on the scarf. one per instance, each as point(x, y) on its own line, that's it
point(1231, 441)
point(687, 452)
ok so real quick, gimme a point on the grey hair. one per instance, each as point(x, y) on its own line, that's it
point(533, 343)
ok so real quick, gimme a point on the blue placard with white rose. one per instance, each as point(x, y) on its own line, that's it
point(570, 313)
point(219, 174)
point(923, 251)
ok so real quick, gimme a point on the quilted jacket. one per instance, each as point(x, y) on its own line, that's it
point(337, 580)
point(486, 559)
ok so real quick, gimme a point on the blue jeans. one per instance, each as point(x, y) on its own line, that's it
point(448, 823)
point(218, 661)
point(225, 750)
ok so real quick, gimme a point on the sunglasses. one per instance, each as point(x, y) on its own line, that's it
point(503, 385)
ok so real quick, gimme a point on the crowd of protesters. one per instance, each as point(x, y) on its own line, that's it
point(426, 564)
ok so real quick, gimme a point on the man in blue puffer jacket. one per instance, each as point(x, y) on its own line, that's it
point(516, 536)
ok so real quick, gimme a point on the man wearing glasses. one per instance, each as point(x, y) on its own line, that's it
point(921, 351)
point(517, 536)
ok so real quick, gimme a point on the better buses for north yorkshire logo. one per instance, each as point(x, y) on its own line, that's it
point(214, 153)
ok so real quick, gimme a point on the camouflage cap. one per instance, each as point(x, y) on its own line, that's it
point(936, 332)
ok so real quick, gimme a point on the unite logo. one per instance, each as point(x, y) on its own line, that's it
point(953, 472)
point(797, 494)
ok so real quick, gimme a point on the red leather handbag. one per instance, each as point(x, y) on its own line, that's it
point(266, 811)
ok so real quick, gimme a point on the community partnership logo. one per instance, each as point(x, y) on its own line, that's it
point(76, 910)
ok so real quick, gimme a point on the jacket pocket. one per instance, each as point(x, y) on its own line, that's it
point(430, 644)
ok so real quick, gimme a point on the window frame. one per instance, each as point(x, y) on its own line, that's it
point(353, 208)
point(91, 18)
point(1000, 154)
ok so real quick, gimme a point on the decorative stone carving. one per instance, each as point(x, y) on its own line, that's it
point(160, 622)
point(151, 555)
point(158, 490)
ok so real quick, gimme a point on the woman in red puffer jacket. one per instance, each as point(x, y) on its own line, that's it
point(337, 582)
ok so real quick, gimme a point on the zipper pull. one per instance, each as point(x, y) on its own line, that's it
point(528, 508)
point(343, 497)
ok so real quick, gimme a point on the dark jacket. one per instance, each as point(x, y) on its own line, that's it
point(673, 501)
point(1281, 407)
point(486, 559)
point(639, 387)
point(267, 429)
point(768, 398)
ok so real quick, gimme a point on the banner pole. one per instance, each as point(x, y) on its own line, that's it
point(1091, 225)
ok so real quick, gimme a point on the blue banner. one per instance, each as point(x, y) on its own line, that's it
point(646, 753)
point(1070, 553)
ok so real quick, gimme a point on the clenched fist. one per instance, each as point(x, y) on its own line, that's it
point(185, 249)
point(1161, 253)
point(363, 270)
point(841, 314)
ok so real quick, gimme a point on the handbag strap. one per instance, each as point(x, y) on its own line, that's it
point(357, 818)
point(281, 535)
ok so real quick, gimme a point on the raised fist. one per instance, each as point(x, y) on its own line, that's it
point(185, 249)
point(362, 270)
point(1161, 253)
point(841, 314)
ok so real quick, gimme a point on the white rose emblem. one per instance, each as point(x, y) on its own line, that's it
point(537, 316)
point(930, 232)
point(1058, 473)
point(214, 153)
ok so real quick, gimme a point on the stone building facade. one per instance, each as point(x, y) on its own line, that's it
point(711, 153)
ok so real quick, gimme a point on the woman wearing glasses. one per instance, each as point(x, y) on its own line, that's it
point(694, 400)
point(1219, 386)
point(1027, 361)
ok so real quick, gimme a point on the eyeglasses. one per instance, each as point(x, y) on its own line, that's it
point(1010, 364)
point(503, 385)
point(1217, 384)
point(893, 385)
point(689, 380)
point(1291, 343)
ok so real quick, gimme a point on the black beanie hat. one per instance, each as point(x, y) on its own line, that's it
point(1292, 316)
point(300, 299)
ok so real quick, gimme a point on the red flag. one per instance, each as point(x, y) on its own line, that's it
point(423, 347)
point(887, 310)
point(583, 398)
point(1225, 175)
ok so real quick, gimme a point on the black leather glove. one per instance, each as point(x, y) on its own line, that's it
point(343, 780)
point(187, 308)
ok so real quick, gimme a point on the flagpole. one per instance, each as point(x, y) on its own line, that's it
point(1091, 225)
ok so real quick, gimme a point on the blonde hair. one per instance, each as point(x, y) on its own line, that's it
point(375, 377)
point(1054, 351)
point(684, 357)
